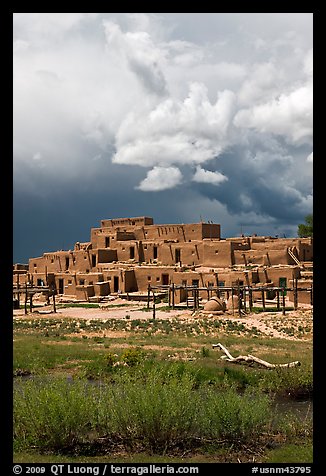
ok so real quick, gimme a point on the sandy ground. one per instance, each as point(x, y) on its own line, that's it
point(272, 324)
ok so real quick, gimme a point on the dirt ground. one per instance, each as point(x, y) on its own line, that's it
point(295, 324)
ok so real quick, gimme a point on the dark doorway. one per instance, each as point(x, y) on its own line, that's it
point(165, 279)
point(93, 261)
point(132, 252)
point(67, 263)
point(177, 255)
point(155, 252)
point(115, 284)
point(107, 242)
point(60, 286)
point(282, 282)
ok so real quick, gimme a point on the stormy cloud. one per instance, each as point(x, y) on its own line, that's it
point(178, 116)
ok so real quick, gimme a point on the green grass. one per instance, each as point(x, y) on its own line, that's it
point(160, 412)
point(44, 344)
point(166, 393)
point(156, 413)
point(291, 453)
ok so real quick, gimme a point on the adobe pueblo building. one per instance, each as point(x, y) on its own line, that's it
point(128, 256)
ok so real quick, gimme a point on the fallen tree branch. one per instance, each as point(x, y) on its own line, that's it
point(249, 359)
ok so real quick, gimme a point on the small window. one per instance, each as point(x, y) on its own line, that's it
point(216, 251)
point(35, 265)
point(69, 281)
point(157, 279)
point(90, 282)
point(149, 278)
point(81, 282)
point(52, 260)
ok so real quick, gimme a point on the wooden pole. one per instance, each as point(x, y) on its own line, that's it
point(31, 302)
point(232, 300)
point(278, 299)
point(244, 299)
point(218, 288)
point(263, 299)
point(187, 300)
point(194, 295)
point(283, 302)
point(250, 299)
point(148, 295)
point(295, 293)
point(154, 310)
point(172, 295)
point(54, 308)
point(26, 297)
point(239, 300)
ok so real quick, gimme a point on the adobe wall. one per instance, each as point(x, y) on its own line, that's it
point(114, 222)
point(20, 267)
point(304, 297)
point(217, 253)
point(20, 277)
point(184, 232)
point(187, 253)
point(273, 275)
point(262, 257)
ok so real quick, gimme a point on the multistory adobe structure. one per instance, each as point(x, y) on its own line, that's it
point(126, 255)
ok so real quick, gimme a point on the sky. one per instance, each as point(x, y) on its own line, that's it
point(185, 117)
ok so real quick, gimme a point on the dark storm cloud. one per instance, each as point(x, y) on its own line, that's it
point(176, 116)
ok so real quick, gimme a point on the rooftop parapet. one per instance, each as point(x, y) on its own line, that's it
point(137, 221)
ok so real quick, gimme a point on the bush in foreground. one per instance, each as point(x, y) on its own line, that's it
point(156, 414)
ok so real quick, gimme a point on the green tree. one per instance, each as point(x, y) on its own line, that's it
point(306, 229)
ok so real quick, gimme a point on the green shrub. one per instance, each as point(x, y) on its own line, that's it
point(53, 414)
point(156, 412)
point(237, 418)
point(132, 356)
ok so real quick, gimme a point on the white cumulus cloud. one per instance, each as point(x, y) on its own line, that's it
point(161, 178)
point(177, 132)
point(207, 176)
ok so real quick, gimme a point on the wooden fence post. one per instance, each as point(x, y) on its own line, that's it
point(295, 293)
point(263, 299)
point(148, 295)
point(250, 299)
point(154, 310)
point(283, 302)
point(25, 298)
